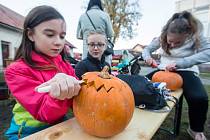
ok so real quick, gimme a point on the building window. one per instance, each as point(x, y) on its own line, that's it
point(5, 51)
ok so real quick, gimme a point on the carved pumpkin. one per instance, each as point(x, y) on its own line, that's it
point(105, 104)
point(173, 80)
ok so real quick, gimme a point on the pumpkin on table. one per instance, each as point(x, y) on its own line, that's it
point(173, 80)
point(105, 104)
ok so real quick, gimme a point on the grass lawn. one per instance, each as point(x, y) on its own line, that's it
point(205, 75)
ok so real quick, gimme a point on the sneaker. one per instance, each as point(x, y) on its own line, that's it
point(196, 135)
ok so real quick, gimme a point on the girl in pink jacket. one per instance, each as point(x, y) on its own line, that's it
point(38, 63)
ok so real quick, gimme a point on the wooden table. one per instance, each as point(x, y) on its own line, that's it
point(143, 126)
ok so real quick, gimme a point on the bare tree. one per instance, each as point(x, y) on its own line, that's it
point(125, 16)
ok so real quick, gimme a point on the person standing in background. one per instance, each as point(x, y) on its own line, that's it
point(101, 21)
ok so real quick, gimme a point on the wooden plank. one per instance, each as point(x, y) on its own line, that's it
point(143, 126)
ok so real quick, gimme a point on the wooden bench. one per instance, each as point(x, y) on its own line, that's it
point(143, 126)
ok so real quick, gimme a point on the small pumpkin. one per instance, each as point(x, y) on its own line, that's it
point(105, 104)
point(173, 80)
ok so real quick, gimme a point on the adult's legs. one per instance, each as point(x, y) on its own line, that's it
point(196, 98)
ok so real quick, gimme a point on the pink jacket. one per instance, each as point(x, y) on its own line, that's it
point(22, 80)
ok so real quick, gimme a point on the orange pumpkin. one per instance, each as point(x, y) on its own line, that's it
point(173, 80)
point(105, 104)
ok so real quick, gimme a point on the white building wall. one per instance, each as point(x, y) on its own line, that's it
point(182, 5)
point(199, 3)
point(203, 16)
point(200, 9)
point(12, 36)
point(190, 4)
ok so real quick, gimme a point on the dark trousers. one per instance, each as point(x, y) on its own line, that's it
point(196, 97)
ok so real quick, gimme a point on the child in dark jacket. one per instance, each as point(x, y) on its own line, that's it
point(95, 60)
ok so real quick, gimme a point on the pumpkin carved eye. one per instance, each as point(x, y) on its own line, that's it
point(105, 105)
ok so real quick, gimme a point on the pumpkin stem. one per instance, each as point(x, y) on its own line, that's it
point(105, 73)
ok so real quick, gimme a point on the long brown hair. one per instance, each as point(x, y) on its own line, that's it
point(180, 23)
point(36, 16)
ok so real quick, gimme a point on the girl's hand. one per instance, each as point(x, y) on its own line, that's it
point(63, 86)
point(151, 62)
point(171, 67)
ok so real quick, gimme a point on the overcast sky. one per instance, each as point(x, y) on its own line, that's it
point(155, 15)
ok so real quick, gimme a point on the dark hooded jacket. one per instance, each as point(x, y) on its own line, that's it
point(90, 64)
